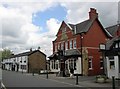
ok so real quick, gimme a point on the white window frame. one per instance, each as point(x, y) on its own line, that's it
point(71, 44)
point(73, 62)
point(62, 45)
point(66, 45)
point(74, 44)
point(90, 61)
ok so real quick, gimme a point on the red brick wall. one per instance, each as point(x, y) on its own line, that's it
point(92, 39)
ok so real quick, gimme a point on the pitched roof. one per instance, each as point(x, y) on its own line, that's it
point(85, 25)
point(27, 53)
point(111, 42)
point(113, 29)
point(82, 27)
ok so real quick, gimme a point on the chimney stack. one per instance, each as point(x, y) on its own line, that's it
point(30, 49)
point(93, 13)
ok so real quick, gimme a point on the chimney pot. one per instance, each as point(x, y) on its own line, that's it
point(93, 13)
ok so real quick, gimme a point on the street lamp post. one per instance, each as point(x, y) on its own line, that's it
point(81, 37)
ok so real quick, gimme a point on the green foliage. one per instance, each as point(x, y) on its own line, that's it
point(5, 54)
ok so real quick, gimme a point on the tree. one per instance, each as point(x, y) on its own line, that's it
point(5, 54)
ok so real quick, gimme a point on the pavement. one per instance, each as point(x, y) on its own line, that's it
point(84, 81)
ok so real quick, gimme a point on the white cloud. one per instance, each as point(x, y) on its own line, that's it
point(78, 11)
point(19, 33)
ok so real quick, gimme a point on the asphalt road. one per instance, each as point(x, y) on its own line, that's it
point(14, 79)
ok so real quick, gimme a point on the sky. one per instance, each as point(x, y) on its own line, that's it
point(29, 24)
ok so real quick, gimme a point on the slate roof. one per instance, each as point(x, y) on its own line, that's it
point(111, 42)
point(112, 29)
point(82, 27)
point(26, 53)
point(71, 52)
point(85, 25)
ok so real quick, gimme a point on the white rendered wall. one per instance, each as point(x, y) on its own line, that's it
point(78, 66)
point(114, 71)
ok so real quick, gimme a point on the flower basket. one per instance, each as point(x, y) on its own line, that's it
point(101, 79)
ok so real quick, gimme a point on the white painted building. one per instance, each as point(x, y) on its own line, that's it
point(112, 54)
point(16, 63)
point(26, 62)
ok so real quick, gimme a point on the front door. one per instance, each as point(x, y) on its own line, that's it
point(62, 68)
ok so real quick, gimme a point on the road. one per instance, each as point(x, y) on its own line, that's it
point(17, 79)
point(14, 79)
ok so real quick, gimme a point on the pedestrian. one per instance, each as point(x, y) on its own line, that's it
point(71, 72)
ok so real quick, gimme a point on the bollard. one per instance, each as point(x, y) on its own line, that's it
point(47, 75)
point(39, 72)
point(76, 79)
point(113, 82)
point(33, 73)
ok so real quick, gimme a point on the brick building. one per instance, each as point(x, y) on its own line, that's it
point(79, 44)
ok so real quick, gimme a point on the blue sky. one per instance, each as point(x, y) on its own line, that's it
point(58, 12)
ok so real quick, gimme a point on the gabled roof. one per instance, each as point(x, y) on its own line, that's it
point(85, 25)
point(113, 29)
point(110, 43)
point(66, 25)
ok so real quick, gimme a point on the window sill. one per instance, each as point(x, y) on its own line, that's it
point(90, 69)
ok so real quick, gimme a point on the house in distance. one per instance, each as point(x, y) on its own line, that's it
point(31, 61)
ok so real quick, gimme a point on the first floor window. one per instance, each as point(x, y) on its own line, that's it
point(66, 45)
point(71, 45)
point(74, 43)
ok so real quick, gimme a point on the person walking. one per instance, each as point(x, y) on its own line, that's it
point(71, 72)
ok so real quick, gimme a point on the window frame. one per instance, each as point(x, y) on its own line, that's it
point(91, 64)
